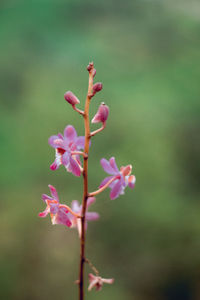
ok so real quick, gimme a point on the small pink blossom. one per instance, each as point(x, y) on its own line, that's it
point(102, 114)
point(71, 98)
point(121, 178)
point(65, 146)
point(59, 212)
point(89, 216)
point(97, 282)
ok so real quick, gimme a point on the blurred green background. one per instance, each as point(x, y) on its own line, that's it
point(147, 55)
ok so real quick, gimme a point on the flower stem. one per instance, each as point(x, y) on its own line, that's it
point(102, 188)
point(92, 266)
point(98, 130)
point(85, 183)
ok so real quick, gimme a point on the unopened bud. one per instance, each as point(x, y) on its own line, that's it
point(71, 98)
point(97, 87)
point(102, 114)
point(94, 72)
point(90, 66)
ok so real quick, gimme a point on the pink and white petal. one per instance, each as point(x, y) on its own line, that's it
point(107, 167)
point(54, 166)
point(131, 181)
point(75, 206)
point(113, 164)
point(70, 133)
point(53, 208)
point(46, 197)
point(60, 136)
point(90, 200)
point(65, 159)
point(105, 181)
point(93, 281)
point(52, 139)
point(91, 216)
point(80, 142)
point(57, 162)
point(61, 218)
point(115, 191)
point(109, 280)
point(74, 166)
point(53, 191)
point(44, 213)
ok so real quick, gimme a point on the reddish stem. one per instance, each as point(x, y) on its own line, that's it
point(85, 183)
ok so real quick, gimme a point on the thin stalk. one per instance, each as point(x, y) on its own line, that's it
point(98, 130)
point(92, 194)
point(85, 184)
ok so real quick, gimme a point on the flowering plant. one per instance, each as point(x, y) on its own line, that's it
point(69, 148)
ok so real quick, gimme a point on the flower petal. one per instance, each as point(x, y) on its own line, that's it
point(75, 206)
point(80, 142)
point(74, 167)
point(90, 200)
point(70, 133)
point(116, 190)
point(65, 159)
point(107, 167)
point(53, 191)
point(113, 164)
point(46, 197)
point(54, 141)
point(105, 181)
point(44, 213)
point(91, 216)
point(131, 181)
point(61, 218)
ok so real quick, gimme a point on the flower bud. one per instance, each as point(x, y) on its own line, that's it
point(90, 66)
point(97, 87)
point(71, 98)
point(102, 114)
point(94, 73)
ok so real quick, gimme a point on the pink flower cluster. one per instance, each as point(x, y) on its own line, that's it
point(69, 149)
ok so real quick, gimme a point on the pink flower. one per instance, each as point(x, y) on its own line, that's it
point(121, 178)
point(59, 212)
point(97, 281)
point(65, 146)
point(102, 114)
point(89, 216)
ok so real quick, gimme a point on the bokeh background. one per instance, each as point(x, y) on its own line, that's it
point(147, 55)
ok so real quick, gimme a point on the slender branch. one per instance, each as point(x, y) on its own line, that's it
point(70, 210)
point(92, 266)
point(85, 183)
point(78, 110)
point(98, 130)
point(103, 187)
point(79, 153)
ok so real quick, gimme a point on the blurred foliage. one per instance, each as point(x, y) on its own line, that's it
point(147, 55)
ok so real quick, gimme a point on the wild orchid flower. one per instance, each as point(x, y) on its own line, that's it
point(59, 212)
point(97, 282)
point(89, 216)
point(119, 179)
point(67, 147)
